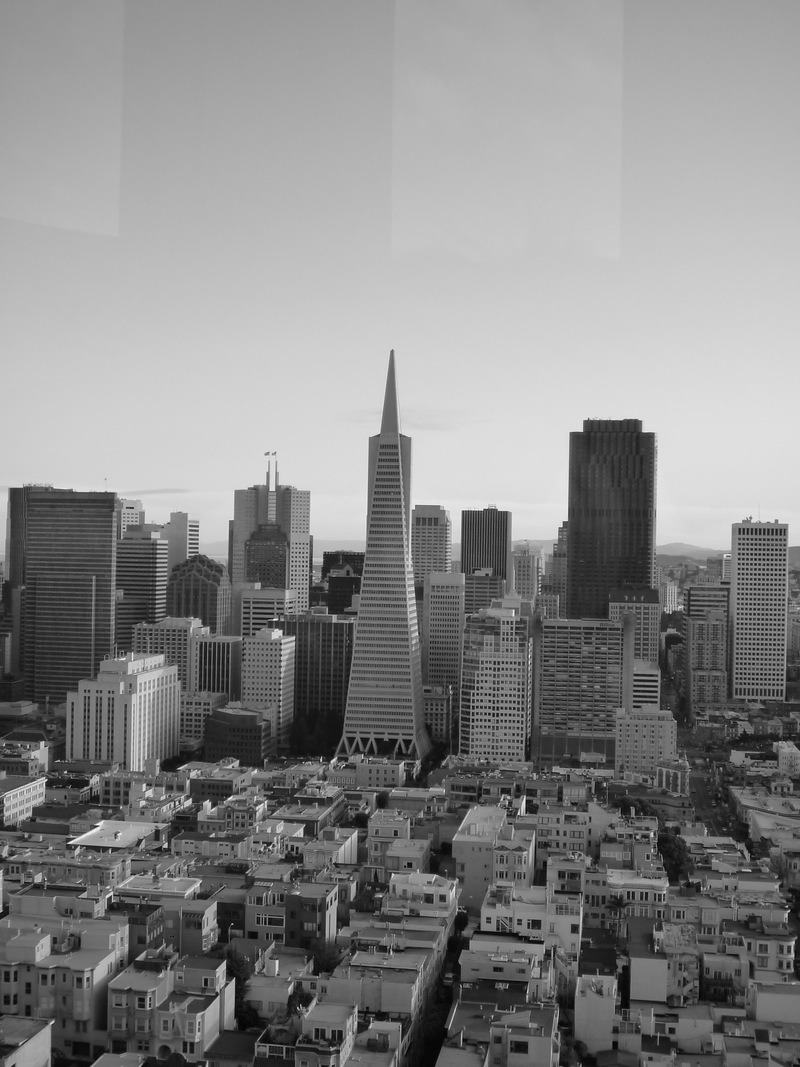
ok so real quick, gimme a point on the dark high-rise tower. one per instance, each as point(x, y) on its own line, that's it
point(200, 588)
point(612, 513)
point(486, 542)
point(68, 604)
point(142, 558)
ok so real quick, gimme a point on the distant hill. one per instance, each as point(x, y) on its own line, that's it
point(669, 555)
point(678, 548)
point(219, 549)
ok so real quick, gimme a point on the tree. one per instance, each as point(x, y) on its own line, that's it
point(675, 856)
point(238, 967)
point(382, 799)
point(617, 907)
point(326, 955)
point(461, 922)
point(300, 998)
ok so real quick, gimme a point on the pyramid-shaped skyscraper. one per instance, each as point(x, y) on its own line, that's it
point(384, 711)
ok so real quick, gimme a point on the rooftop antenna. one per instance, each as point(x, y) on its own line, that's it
point(272, 457)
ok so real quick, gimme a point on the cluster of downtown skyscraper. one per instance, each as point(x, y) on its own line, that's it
point(503, 659)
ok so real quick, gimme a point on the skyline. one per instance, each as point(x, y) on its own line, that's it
point(217, 220)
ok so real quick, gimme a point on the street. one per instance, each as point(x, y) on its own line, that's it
point(710, 811)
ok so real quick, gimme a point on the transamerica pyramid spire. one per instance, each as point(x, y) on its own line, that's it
point(384, 712)
point(390, 421)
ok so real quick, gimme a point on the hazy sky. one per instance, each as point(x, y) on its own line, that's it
point(218, 216)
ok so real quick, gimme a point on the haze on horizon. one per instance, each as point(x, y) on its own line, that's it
point(217, 218)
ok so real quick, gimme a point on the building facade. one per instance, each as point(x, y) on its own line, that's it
point(645, 606)
point(67, 606)
point(268, 666)
point(273, 506)
point(128, 714)
point(142, 569)
point(323, 658)
point(645, 737)
point(582, 675)
point(216, 665)
point(612, 513)
point(182, 534)
point(385, 712)
point(172, 638)
point(495, 712)
point(758, 609)
point(443, 630)
point(431, 541)
point(486, 543)
point(200, 587)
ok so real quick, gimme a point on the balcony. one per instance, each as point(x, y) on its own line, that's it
point(627, 1027)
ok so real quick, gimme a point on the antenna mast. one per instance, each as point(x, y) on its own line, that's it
point(272, 461)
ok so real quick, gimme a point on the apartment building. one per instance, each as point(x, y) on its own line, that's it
point(164, 1004)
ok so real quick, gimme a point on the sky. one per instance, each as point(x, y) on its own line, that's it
point(218, 216)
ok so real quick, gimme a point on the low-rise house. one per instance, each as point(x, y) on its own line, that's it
point(473, 851)
point(19, 795)
point(217, 845)
point(419, 801)
point(25, 1041)
point(335, 845)
point(115, 835)
point(766, 950)
point(514, 854)
point(328, 1035)
point(404, 856)
point(678, 942)
point(541, 980)
point(57, 969)
point(235, 814)
point(175, 895)
point(773, 1002)
point(526, 1036)
point(265, 912)
point(276, 974)
point(310, 913)
point(597, 1015)
point(163, 1003)
point(385, 827)
point(37, 864)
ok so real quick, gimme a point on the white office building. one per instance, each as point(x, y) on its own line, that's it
point(431, 541)
point(182, 534)
point(268, 665)
point(758, 609)
point(128, 714)
point(645, 737)
point(495, 714)
point(645, 606)
point(258, 606)
point(172, 638)
point(443, 630)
